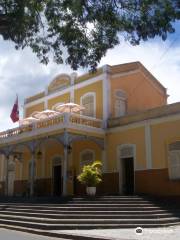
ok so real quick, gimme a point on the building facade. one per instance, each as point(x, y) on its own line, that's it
point(127, 125)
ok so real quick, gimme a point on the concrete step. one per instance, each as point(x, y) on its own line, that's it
point(103, 215)
point(90, 219)
point(91, 225)
point(85, 209)
point(79, 205)
point(77, 212)
point(109, 202)
point(88, 213)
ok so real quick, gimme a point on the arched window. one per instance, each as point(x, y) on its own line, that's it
point(120, 103)
point(174, 160)
point(88, 101)
point(87, 157)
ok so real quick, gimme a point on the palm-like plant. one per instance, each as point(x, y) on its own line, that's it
point(91, 174)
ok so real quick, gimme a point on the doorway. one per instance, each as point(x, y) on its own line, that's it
point(57, 180)
point(126, 156)
point(128, 175)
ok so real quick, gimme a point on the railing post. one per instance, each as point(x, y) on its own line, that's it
point(66, 118)
point(104, 124)
point(34, 126)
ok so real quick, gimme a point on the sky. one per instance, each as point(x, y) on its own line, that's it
point(22, 74)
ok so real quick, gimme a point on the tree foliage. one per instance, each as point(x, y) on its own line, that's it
point(85, 28)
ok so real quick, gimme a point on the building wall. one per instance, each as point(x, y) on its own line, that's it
point(141, 93)
point(134, 136)
point(36, 107)
point(2, 174)
point(131, 78)
point(156, 180)
point(98, 90)
point(152, 180)
point(65, 98)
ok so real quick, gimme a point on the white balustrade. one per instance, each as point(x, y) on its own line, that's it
point(64, 119)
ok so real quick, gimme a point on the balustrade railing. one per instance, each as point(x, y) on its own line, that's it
point(65, 120)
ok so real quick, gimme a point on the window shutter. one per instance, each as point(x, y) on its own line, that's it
point(88, 102)
point(120, 107)
point(120, 103)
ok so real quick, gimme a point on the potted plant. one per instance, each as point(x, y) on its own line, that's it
point(91, 176)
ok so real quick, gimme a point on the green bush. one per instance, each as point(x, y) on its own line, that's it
point(91, 174)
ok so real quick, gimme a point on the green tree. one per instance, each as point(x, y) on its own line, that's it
point(85, 28)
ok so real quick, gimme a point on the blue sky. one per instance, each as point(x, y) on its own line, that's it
point(21, 73)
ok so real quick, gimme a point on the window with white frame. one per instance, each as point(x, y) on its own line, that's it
point(87, 157)
point(88, 101)
point(174, 160)
point(120, 103)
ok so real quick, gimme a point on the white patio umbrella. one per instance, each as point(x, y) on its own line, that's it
point(27, 121)
point(68, 107)
point(45, 114)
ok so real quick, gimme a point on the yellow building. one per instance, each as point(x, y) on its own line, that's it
point(126, 124)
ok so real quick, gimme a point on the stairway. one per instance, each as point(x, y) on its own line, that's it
point(84, 213)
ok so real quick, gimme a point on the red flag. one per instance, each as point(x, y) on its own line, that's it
point(15, 111)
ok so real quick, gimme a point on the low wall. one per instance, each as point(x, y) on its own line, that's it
point(156, 182)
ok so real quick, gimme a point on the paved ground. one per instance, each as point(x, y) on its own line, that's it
point(170, 233)
point(16, 235)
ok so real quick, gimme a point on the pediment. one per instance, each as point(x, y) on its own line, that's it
point(59, 82)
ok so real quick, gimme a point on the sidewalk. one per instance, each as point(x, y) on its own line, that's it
point(168, 233)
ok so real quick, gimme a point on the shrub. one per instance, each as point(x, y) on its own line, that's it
point(91, 174)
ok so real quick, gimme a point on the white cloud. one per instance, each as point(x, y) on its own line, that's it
point(22, 74)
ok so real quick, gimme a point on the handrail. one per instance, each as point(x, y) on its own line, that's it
point(59, 120)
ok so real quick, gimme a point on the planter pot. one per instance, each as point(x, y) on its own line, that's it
point(91, 191)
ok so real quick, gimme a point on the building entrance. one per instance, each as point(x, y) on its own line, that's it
point(128, 175)
point(57, 180)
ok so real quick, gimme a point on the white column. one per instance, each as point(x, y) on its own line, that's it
point(43, 163)
point(21, 169)
point(104, 157)
point(106, 95)
point(65, 164)
point(65, 170)
point(32, 174)
point(2, 167)
point(7, 174)
point(148, 146)
point(46, 99)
